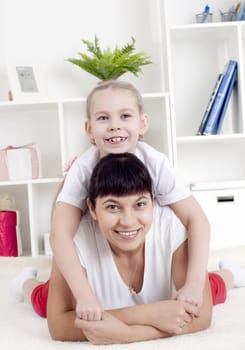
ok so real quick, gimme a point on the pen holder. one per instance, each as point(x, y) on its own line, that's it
point(204, 17)
point(227, 16)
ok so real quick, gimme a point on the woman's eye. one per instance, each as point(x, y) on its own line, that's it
point(112, 207)
point(141, 204)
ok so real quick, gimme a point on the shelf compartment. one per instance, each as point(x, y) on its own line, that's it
point(39, 124)
point(212, 161)
point(198, 57)
point(41, 197)
point(159, 131)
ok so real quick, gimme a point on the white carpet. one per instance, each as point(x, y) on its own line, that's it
point(21, 329)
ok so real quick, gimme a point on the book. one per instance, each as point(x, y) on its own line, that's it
point(227, 99)
point(210, 103)
point(211, 124)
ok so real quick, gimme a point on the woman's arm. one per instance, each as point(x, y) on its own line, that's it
point(61, 317)
point(61, 309)
point(138, 323)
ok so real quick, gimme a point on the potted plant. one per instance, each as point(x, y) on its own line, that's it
point(111, 63)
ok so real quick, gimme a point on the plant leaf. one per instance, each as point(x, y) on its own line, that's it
point(111, 64)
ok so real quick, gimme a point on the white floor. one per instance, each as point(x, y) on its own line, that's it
point(21, 329)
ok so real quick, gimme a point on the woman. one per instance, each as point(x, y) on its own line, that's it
point(134, 253)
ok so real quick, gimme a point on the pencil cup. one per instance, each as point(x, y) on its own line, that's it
point(227, 16)
point(204, 17)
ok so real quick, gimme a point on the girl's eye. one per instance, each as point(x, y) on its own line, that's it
point(125, 116)
point(102, 117)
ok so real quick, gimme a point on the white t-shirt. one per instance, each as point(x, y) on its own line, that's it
point(167, 187)
point(104, 278)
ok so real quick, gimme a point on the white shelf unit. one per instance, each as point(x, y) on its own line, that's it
point(187, 59)
point(213, 165)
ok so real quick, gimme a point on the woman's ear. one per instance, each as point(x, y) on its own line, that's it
point(88, 130)
point(91, 209)
point(144, 125)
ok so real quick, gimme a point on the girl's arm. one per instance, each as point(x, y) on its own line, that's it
point(192, 216)
point(65, 222)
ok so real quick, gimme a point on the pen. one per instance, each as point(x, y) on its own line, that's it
point(205, 13)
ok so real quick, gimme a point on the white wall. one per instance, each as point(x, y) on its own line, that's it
point(49, 31)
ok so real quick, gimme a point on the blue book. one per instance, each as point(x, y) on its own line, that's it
point(210, 104)
point(212, 122)
point(227, 99)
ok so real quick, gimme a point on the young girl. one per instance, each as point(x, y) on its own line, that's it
point(115, 122)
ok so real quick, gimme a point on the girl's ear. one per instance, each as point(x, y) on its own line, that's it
point(144, 125)
point(88, 130)
point(91, 209)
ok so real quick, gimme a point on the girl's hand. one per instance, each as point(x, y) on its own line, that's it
point(89, 309)
point(192, 294)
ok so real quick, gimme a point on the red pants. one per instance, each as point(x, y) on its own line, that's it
point(40, 294)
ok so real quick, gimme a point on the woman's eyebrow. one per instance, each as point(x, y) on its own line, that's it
point(110, 200)
point(143, 197)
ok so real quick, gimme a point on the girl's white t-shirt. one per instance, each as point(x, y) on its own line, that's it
point(104, 278)
point(168, 188)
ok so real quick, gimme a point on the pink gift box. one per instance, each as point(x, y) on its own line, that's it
point(19, 163)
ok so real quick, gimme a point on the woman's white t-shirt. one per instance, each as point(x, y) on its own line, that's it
point(166, 234)
point(167, 186)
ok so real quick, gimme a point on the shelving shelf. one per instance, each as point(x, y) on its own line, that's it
point(211, 139)
point(187, 59)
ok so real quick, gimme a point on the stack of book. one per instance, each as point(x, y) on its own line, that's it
point(217, 105)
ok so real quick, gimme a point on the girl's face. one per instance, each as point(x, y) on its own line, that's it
point(115, 121)
point(124, 220)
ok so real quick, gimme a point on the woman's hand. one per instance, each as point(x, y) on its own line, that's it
point(171, 316)
point(109, 330)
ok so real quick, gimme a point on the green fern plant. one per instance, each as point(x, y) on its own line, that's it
point(110, 63)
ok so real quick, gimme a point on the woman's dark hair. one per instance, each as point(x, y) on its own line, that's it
point(119, 175)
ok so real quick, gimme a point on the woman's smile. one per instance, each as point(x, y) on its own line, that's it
point(127, 234)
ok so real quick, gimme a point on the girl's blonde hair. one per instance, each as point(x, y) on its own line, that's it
point(115, 85)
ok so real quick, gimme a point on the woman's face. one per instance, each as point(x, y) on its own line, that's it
point(124, 220)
